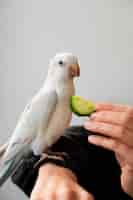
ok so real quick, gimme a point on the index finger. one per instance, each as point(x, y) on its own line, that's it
point(83, 194)
point(112, 107)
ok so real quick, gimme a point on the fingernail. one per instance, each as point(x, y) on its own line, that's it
point(91, 139)
point(93, 116)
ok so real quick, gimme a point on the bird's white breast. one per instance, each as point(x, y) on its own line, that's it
point(59, 120)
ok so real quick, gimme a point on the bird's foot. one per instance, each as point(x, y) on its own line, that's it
point(51, 155)
point(57, 154)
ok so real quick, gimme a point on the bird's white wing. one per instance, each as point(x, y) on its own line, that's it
point(38, 111)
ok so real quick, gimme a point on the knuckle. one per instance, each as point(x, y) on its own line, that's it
point(86, 196)
point(50, 195)
point(67, 193)
point(127, 116)
point(63, 191)
point(115, 145)
point(72, 194)
point(121, 131)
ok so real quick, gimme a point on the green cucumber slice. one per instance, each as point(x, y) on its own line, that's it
point(81, 106)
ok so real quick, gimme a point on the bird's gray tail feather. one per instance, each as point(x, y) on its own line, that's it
point(8, 169)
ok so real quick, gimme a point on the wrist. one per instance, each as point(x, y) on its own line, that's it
point(50, 170)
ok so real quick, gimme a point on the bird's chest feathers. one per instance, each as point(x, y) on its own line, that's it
point(63, 104)
point(60, 118)
point(65, 90)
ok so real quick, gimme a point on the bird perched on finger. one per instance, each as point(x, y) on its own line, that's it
point(45, 117)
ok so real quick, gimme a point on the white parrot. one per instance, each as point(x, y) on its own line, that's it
point(45, 117)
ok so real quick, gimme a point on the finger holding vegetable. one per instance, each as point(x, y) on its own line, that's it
point(114, 125)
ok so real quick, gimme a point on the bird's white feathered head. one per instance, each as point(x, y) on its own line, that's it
point(64, 66)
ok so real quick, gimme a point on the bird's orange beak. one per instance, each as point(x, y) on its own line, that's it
point(74, 70)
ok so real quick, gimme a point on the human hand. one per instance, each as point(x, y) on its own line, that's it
point(57, 183)
point(116, 122)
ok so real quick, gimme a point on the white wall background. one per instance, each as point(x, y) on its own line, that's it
point(100, 32)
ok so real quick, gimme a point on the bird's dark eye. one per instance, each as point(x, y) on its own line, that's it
point(60, 62)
